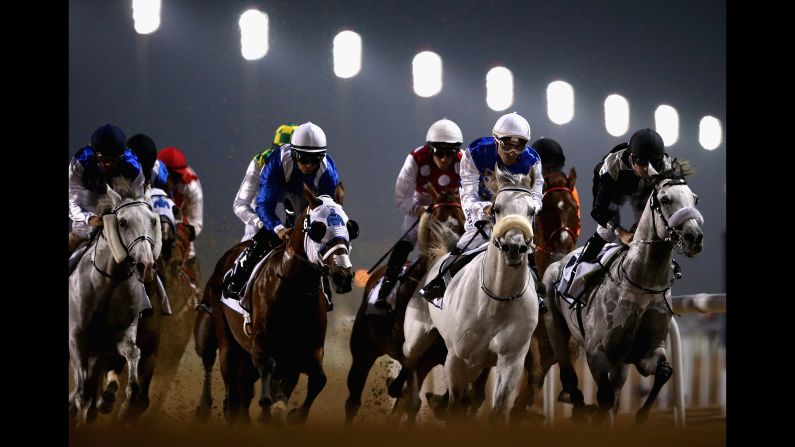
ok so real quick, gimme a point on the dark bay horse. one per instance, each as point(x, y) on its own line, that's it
point(288, 310)
point(375, 335)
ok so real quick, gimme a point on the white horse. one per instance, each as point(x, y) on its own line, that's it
point(106, 293)
point(627, 315)
point(490, 308)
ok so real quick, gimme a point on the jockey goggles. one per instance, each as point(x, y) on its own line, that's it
point(308, 157)
point(511, 145)
point(656, 164)
point(445, 149)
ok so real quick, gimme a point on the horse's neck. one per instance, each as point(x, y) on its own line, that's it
point(295, 262)
point(647, 264)
point(101, 255)
point(500, 278)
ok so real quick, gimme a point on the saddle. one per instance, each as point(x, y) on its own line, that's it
point(392, 297)
point(573, 284)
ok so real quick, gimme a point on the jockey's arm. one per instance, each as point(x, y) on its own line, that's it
point(329, 180)
point(271, 190)
point(603, 192)
point(470, 180)
point(247, 195)
point(405, 185)
point(78, 194)
point(195, 212)
point(538, 185)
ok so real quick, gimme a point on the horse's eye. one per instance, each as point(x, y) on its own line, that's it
point(154, 222)
point(496, 210)
point(665, 201)
point(123, 223)
point(695, 197)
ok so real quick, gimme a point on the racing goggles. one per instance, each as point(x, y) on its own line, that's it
point(445, 149)
point(308, 157)
point(511, 145)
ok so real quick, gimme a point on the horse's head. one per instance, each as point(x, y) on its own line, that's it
point(170, 214)
point(512, 212)
point(446, 208)
point(675, 204)
point(329, 233)
point(558, 222)
point(132, 229)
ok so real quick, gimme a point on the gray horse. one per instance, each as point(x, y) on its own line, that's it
point(627, 314)
point(106, 293)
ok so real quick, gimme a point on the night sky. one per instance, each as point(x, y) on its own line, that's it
point(187, 85)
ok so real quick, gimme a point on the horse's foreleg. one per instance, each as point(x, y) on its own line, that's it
point(315, 384)
point(266, 365)
point(599, 364)
point(559, 335)
point(130, 351)
point(509, 370)
point(662, 372)
point(456, 374)
point(107, 398)
point(478, 392)
point(363, 359)
point(82, 398)
point(206, 343)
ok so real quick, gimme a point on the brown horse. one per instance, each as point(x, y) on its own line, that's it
point(288, 310)
point(557, 226)
point(375, 335)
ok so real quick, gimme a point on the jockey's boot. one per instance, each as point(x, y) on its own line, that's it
point(396, 260)
point(327, 293)
point(236, 278)
point(588, 254)
point(541, 289)
point(436, 287)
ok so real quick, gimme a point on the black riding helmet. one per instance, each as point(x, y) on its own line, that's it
point(146, 151)
point(109, 140)
point(550, 152)
point(647, 144)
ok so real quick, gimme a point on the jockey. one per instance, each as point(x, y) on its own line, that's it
point(552, 160)
point(246, 199)
point(508, 149)
point(182, 184)
point(90, 171)
point(301, 162)
point(436, 162)
point(624, 173)
point(155, 172)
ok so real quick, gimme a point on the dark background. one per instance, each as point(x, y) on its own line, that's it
point(187, 85)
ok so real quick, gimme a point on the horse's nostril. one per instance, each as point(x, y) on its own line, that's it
point(689, 238)
point(699, 239)
point(140, 267)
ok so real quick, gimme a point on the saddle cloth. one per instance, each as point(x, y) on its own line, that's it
point(571, 288)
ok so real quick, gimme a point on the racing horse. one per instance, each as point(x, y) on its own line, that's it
point(288, 310)
point(490, 307)
point(375, 335)
point(106, 294)
point(626, 315)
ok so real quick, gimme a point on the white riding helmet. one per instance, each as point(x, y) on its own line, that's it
point(309, 138)
point(444, 131)
point(512, 125)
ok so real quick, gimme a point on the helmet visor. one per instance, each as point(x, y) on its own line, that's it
point(511, 145)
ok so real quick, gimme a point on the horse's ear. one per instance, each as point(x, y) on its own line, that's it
point(432, 191)
point(311, 198)
point(572, 178)
point(339, 193)
point(115, 198)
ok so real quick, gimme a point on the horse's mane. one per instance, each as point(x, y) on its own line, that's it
point(124, 188)
point(441, 239)
point(501, 178)
point(679, 170)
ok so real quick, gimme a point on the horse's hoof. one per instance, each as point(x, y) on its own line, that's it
point(107, 399)
point(564, 397)
point(296, 416)
point(580, 416)
point(279, 412)
point(203, 411)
